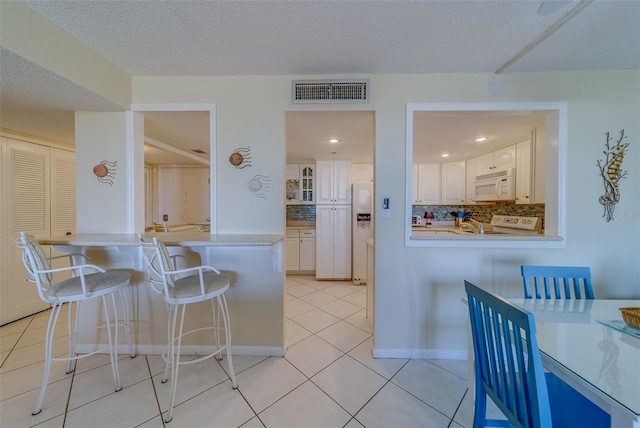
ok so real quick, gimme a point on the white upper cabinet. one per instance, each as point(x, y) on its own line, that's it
point(524, 168)
point(499, 160)
point(539, 176)
point(333, 181)
point(300, 184)
point(453, 183)
point(426, 184)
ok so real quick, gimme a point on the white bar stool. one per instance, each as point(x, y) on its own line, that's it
point(181, 287)
point(87, 282)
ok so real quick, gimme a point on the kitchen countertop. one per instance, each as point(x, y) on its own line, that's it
point(451, 232)
point(300, 224)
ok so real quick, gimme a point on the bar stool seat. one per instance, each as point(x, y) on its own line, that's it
point(181, 287)
point(87, 282)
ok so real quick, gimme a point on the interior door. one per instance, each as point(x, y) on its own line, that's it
point(184, 195)
point(27, 197)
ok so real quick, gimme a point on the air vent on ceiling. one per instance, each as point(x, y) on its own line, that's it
point(330, 91)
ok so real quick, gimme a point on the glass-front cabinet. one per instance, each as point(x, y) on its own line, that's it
point(300, 184)
point(306, 183)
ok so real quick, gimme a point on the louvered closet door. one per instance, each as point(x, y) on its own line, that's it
point(63, 203)
point(26, 167)
point(63, 192)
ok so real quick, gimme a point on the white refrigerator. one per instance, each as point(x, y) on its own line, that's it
point(361, 229)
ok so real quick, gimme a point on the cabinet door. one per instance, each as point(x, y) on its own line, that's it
point(453, 182)
point(342, 182)
point(523, 172)
point(324, 182)
point(429, 184)
point(470, 173)
point(484, 164)
point(307, 253)
point(324, 241)
point(504, 158)
point(307, 179)
point(539, 174)
point(27, 207)
point(342, 242)
point(292, 249)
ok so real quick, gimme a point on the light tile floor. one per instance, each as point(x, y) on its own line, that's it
point(327, 378)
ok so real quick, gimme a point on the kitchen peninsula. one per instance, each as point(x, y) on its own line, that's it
point(255, 298)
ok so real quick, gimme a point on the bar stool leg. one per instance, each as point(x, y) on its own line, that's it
point(175, 358)
point(222, 303)
point(72, 329)
point(215, 312)
point(167, 356)
point(112, 355)
point(48, 350)
point(126, 321)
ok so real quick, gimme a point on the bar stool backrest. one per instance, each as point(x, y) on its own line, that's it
point(35, 262)
point(159, 262)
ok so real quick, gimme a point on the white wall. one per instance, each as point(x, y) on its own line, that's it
point(418, 290)
point(103, 207)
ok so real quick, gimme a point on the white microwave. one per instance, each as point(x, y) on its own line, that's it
point(497, 186)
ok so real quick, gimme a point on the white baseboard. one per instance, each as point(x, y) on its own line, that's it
point(435, 354)
point(260, 351)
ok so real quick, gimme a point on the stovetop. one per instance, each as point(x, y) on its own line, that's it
point(516, 224)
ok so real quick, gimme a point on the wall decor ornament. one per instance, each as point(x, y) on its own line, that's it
point(611, 172)
point(105, 171)
point(259, 186)
point(241, 157)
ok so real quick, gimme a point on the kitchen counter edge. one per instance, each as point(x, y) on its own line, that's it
point(168, 238)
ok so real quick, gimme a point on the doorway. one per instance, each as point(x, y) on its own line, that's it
point(333, 310)
point(179, 147)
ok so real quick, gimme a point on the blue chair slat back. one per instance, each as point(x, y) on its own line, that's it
point(557, 282)
point(508, 367)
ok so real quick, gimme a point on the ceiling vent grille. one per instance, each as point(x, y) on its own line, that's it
point(330, 91)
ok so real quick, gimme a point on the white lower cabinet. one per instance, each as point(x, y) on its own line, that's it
point(37, 190)
point(300, 248)
point(333, 241)
point(307, 250)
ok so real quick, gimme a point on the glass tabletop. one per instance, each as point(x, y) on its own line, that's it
point(571, 333)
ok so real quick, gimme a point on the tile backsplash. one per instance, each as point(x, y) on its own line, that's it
point(301, 212)
point(481, 213)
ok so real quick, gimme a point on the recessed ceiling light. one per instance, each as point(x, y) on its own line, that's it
point(445, 155)
point(333, 141)
point(480, 139)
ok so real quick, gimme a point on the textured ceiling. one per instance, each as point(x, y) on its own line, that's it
point(329, 37)
point(173, 38)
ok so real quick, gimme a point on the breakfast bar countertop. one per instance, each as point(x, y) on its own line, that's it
point(169, 238)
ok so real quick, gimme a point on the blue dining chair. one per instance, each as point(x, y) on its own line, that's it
point(558, 282)
point(508, 369)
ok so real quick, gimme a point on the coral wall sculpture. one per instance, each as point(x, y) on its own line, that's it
point(241, 157)
point(259, 186)
point(105, 171)
point(611, 172)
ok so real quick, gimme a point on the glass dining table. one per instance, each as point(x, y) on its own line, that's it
point(588, 345)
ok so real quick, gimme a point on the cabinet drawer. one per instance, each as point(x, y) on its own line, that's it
point(307, 233)
point(293, 233)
